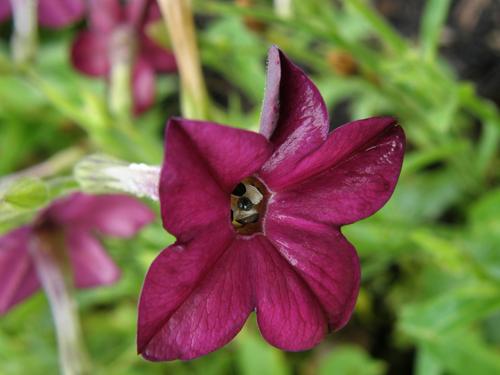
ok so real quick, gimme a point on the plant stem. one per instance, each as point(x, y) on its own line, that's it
point(283, 8)
point(53, 268)
point(24, 39)
point(178, 17)
point(120, 98)
point(57, 163)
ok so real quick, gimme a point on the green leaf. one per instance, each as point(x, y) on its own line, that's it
point(237, 54)
point(447, 254)
point(422, 197)
point(463, 353)
point(432, 22)
point(484, 215)
point(414, 161)
point(255, 356)
point(488, 146)
point(450, 311)
point(350, 360)
point(426, 364)
point(27, 192)
point(385, 31)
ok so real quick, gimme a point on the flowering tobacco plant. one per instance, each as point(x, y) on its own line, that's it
point(117, 32)
point(72, 223)
point(257, 219)
point(51, 13)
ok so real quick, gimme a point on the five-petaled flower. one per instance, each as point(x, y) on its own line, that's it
point(51, 13)
point(116, 30)
point(257, 219)
point(75, 219)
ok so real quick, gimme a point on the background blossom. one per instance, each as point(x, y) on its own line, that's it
point(51, 13)
point(113, 27)
point(79, 218)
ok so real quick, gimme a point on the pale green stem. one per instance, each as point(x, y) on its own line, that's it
point(178, 17)
point(52, 265)
point(24, 39)
point(121, 56)
point(50, 167)
point(283, 8)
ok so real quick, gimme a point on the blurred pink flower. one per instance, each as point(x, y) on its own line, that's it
point(257, 219)
point(51, 13)
point(113, 26)
point(78, 218)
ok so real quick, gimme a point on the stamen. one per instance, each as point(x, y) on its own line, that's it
point(239, 190)
point(249, 219)
point(253, 194)
point(245, 204)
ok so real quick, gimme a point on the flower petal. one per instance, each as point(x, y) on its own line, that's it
point(349, 178)
point(117, 215)
point(135, 11)
point(153, 13)
point(18, 278)
point(288, 314)
point(111, 214)
point(160, 58)
point(204, 162)
point(143, 86)
point(89, 53)
point(195, 298)
point(105, 15)
point(60, 13)
point(5, 10)
point(324, 259)
point(294, 115)
point(91, 265)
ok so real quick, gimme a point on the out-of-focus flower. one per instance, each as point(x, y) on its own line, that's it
point(51, 13)
point(257, 219)
point(114, 31)
point(250, 22)
point(342, 63)
point(76, 220)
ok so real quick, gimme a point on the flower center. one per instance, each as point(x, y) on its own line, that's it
point(248, 206)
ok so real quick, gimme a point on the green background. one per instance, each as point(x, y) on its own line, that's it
point(430, 297)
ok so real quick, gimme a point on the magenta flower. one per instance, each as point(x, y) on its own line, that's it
point(78, 218)
point(113, 27)
point(51, 13)
point(257, 219)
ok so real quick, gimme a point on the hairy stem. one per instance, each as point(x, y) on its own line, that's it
point(52, 265)
point(104, 174)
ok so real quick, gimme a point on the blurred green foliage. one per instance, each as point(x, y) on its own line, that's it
point(430, 298)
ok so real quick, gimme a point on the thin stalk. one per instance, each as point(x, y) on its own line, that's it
point(52, 265)
point(283, 8)
point(24, 39)
point(179, 20)
point(385, 31)
point(118, 136)
point(120, 97)
point(61, 161)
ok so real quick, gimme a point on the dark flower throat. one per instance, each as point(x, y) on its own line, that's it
point(248, 203)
